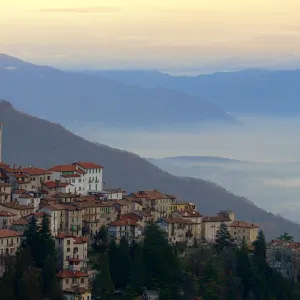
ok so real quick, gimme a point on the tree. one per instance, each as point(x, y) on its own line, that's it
point(223, 238)
point(260, 253)
point(50, 285)
point(165, 294)
point(101, 239)
point(113, 261)
point(285, 237)
point(30, 285)
point(124, 263)
point(102, 285)
point(161, 264)
point(136, 277)
point(129, 293)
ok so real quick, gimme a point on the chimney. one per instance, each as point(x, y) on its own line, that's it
point(1, 126)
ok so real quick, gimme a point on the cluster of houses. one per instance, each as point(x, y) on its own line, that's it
point(74, 198)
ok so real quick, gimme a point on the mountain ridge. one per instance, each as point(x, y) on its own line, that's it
point(258, 91)
point(33, 141)
point(52, 94)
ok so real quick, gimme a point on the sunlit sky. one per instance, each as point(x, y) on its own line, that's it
point(162, 34)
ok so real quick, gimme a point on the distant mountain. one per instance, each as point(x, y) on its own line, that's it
point(29, 140)
point(202, 159)
point(247, 91)
point(64, 97)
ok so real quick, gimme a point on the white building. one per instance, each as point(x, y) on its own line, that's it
point(93, 177)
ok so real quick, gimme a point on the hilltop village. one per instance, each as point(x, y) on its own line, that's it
point(75, 200)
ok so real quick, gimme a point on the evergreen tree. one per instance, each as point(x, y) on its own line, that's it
point(260, 253)
point(102, 285)
point(286, 238)
point(113, 261)
point(30, 285)
point(161, 264)
point(136, 277)
point(101, 239)
point(7, 282)
point(124, 263)
point(129, 293)
point(50, 285)
point(223, 238)
point(165, 294)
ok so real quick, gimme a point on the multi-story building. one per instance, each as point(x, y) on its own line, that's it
point(5, 192)
point(178, 230)
point(71, 174)
point(154, 200)
point(6, 219)
point(243, 231)
point(18, 209)
point(55, 187)
point(74, 284)
point(35, 176)
point(95, 213)
point(114, 194)
point(129, 229)
point(211, 225)
point(10, 240)
point(29, 200)
point(192, 215)
point(64, 218)
point(93, 177)
point(72, 252)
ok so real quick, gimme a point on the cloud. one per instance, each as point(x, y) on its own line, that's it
point(85, 10)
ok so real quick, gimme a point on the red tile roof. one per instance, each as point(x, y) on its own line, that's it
point(66, 168)
point(9, 233)
point(177, 220)
point(35, 171)
point(20, 192)
point(4, 184)
point(152, 195)
point(189, 213)
point(220, 218)
point(88, 165)
point(76, 239)
point(6, 214)
point(71, 175)
point(52, 184)
point(26, 196)
point(20, 222)
point(71, 274)
point(123, 223)
point(243, 224)
point(15, 205)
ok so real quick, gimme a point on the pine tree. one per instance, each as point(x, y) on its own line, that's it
point(223, 238)
point(113, 261)
point(50, 285)
point(102, 285)
point(124, 262)
point(136, 277)
point(7, 282)
point(260, 253)
point(30, 285)
point(101, 239)
point(165, 294)
point(161, 264)
point(129, 293)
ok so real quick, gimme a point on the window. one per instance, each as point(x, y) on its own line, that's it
point(67, 281)
point(68, 242)
point(82, 280)
point(68, 249)
point(48, 177)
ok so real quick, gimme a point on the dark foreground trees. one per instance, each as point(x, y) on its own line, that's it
point(31, 275)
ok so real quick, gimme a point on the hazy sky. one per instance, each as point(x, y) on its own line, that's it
point(164, 34)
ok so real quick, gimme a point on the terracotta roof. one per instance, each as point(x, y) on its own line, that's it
point(129, 217)
point(88, 165)
point(243, 224)
point(19, 192)
point(9, 233)
point(4, 184)
point(35, 171)
point(3, 165)
point(123, 223)
point(74, 259)
point(177, 220)
point(220, 218)
point(66, 273)
point(6, 214)
point(65, 195)
point(20, 222)
point(39, 214)
point(189, 213)
point(152, 195)
point(66, 168)
point(95, 203)
point(71, 175)
point(52, 184)
point(15, 205)
point(60, 206)
point(26, 196)
point(76, 239)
